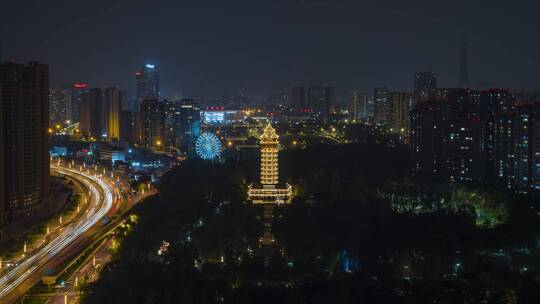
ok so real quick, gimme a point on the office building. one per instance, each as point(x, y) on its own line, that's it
point(147, 79)
point(24, 153)
point(110, 154)
point(188, 127)
point(219, 116)
point(183, 123)
point(129, 105)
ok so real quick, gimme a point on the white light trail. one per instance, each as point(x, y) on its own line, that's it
point(25, 267)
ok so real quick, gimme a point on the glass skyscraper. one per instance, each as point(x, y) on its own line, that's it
point(147, 83)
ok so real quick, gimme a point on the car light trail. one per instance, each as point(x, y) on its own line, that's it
point(28, 265)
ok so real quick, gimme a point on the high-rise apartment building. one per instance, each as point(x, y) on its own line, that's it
point(464, 80)
point(430, 126)
point(113, 106)
point(321, 100)
point(398, 104)
point(152, 123)
point(298, 99)
point(465, 137)
point(380, 104)
point(241, 101)
point(73, 108)
point(471, 136)
point(425, 86)
point(91, 114)
point(496, 107)
point(127, 126)
point(172, 114)
point(358, 106)
point(522, 148)
point(59, 101)
point(24, 152)
point(535, 147)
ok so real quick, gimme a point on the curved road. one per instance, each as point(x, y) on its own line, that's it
point(28, 270)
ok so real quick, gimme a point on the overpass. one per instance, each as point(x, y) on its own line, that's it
point(27, 271)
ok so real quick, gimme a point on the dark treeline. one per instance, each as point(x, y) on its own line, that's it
point(338, 242)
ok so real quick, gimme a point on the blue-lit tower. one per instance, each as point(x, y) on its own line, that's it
point(188, 126)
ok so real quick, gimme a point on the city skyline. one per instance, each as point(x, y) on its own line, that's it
point(286, 151)
point(346, 52)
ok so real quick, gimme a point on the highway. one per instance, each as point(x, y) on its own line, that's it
point(28, 270)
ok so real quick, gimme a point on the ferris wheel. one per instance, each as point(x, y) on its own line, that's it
point(208, 146)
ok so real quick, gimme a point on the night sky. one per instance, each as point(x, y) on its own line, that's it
point(259, 46)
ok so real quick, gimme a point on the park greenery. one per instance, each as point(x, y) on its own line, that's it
point(353, 234)
point(488, 207)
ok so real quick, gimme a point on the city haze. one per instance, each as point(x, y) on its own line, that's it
point(216, 47)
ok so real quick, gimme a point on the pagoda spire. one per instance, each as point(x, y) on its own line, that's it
point(269, 141)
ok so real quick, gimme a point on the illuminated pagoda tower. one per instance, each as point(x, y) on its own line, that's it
point(269, 191)
point(269, 156)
